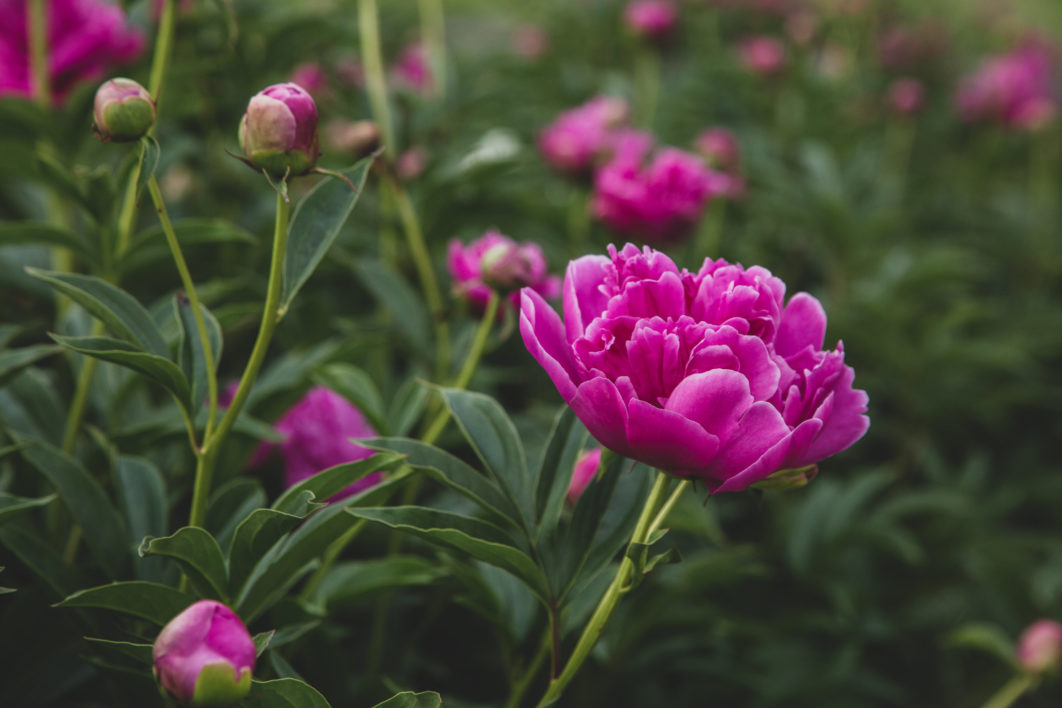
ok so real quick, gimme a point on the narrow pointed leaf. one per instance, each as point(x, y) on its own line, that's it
point(34, 232)
point(199, 556)
point(14, 360)
point(151, 601)
point(135, 651)
point(409, 699)
point(565, 442)
point(190, 351)
point(315, 224)
point(254, 536)
point(10, 506)
point(327, 483)
point(284, 693)
point(26, 544)
point(358, 387)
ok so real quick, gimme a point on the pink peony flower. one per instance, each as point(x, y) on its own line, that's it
point(1016, 89)
point(577, 138)
point(709, 375)
point(1040, 647)
point(651, 19)
point(467, 268)
point(585, 469)
point(720, 148)
point(85, 39)
point(412, 69)
point(317, 432)
point(906, 96)
point(278, 132)
point(762, 55)
point(205, 656)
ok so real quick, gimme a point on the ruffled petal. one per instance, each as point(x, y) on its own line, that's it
point(543, 335)
point(668, 440)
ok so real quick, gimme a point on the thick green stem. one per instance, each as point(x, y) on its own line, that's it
point(422, 262)
point(648, 521)
point(433, 28)
point(163, 48)
point(38, 46)
point(76, 411)
point(647, 84)
point(207, 455)
point(375, 80)
point(1011, 691)
point(193, 300)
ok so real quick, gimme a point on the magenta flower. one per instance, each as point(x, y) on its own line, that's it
point(1040, 647)
point(906, 96)
point(412, 69)
point(317, 432)
point(707, 375)
point(278, 132)
point(585, 469)
point(205, 656)
point(579, 137)
point(85, 39)
point(762, 55)
point(312, 77)
point(524, 262)
point(651, 19)
point(1016, 89)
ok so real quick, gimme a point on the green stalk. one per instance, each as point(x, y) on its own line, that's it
point(647, 84)
point(709, 235)
point(375, 81)
point(1011, 691)
point(193, 300)
point(433, 24)
point(163, 48)
point(520, 686)
point(648, 521)
point(207, 454)
point(38, 46)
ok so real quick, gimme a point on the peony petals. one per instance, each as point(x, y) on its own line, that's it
point(543, 335)
point(715, 400)
point(668, 440)
point(602, 410)
point(584, 295)
point(803, 326)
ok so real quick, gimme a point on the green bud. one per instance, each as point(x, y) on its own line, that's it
point(123, 111)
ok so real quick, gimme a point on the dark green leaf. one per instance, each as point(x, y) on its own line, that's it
point(230, 504)
point(190, 351)
point(348, 582)
point(14, 360)
point(565, 442)
point(119, 310)
point(142, 497)
point(985, 637)
point(473, 537)
point(34, 232)
point(316, 223)
point(199, 556)
point(158, 369)
point(262, 640)
point(327, 483)
point(102, 527)
point(409, 699)
point(11, 505)
point(497, 444)
point(407, 308)
point(284, 693)
point(150, 152)
point(140, 653)
point(407, 406)
point(44, 561)
point(358, 387)
point(149, 246)
point(254, 536)
point(151, 601)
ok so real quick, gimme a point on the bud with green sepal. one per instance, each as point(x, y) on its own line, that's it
point(123, 111)
point(785, 480)
point(278, 132)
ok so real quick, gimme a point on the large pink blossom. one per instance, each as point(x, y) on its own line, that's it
point(578, 138)
point(708, 375)
point(85, 39)
point(1015, 89)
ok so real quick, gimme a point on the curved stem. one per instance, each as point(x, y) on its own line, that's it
point(661, 516)
point(38, 46)
point(193, 300)
point(204, 471)
point(433, 23)
point(520, 687)
point(608, 602)
point(1011, 691)
point(163, 48)
point(375, 81)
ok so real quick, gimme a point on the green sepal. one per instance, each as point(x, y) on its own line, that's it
point(217, 686)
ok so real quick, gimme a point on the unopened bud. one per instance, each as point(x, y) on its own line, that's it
point(507, 267)
point(1040, 647)
point(278, 132)
point(123, 111)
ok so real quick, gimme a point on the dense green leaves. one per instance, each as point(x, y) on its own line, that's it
point(199, 556)
point(151, 601)
point(326, 483)
point(284, 693)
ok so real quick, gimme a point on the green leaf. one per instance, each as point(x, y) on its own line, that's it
point(409, 313)
point(26, 543)
point(35, 232)
point(407, 406)
point(190, 353)
point(262, 640)
point(475, 538)
point(284, 693)
point(151, 601)
point(142, 498)
point(327, 483)
point(230, 504)
point(315, 224)
point(409, 699)
point(61, 180)
point(565, 442)
point(159, 369)
point(140, 653)
point(351, 581)
point(452, 472)
point(102, 527)
point(119, 310)
point(149, 246)
point(984, 637)
point(493, 436)
point(644, 563)
point(12, 505)
point(14, 360)
point(254, 536)
point(199, 556)
point(150, 152)
point(358, 387)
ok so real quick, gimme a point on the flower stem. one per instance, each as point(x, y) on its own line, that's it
point(647, 84)
point(375, 81)
point(38, 46)
point(433, 24)
point(207, 454)
point(193, 300)
point(648, 521)
point(520, 687)
point(1011, 691)
point(81, 391)
point(163, 48)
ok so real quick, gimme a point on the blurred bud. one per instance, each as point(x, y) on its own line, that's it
point(312, 77)
point(762, 55)
point(906, 96)
point(586, 467)
point(719, 148)
point(412, 163)
point(123, 111)
point(651, 19)
point(785, 480)
point(355, 138)
point(507, 267)
point(205, 656)
point(1040, 647)
point(278, 132)
point(530, 41)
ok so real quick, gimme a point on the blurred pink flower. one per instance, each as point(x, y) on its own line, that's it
point(585, 469)
point(350, 72)
point(1015, 89)
point(412, 69)
point(579, 137)
point(1040, 647)
point(651, 19)
point(762, 55)
point(412, 163)
point(720, 148)
point(85, 39)
point(530, 41)
point(910, 47)
point(906, 96)
point(313, 78)
point(466, 266)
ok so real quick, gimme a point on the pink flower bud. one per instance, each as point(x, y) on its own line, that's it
point(577, 138)
point(205, 656)
point(720, 148)
point(123, 111)
point(906, 96)
point(313, 78)
point(1040, 647)
point(651, 19)
point(413, 71)
point(354, 138)
point(585, 469)
point(278, 132)
point(412, 163)
point(762, 55)
point(494, 260)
